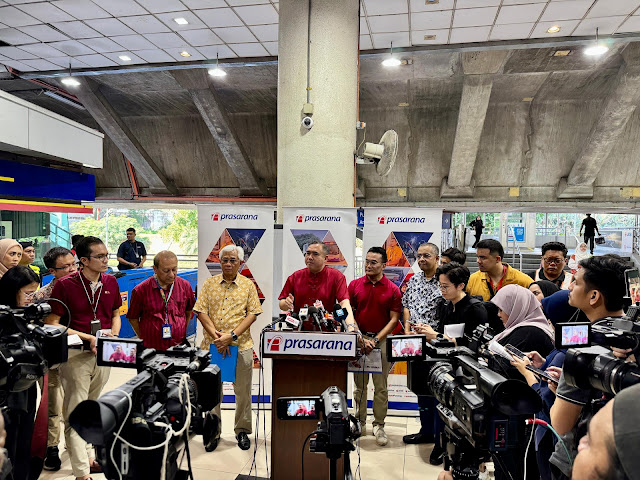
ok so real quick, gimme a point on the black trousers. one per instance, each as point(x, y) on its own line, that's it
point(589, 240)
point(19, 427)
point(478, 235)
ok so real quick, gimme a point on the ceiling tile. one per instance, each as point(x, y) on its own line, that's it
point(520, 2)
point(610, 8)
point(44, 33)
point(364, 28)
point(389, 23)
point(470, 35)
point(383, 40)
point(82, 9)
point(72, 47)
point(365, 43)
point(257, 14)
point(417, 37)
point(22, 67)
point(169, 20)
point(115, 56)
point(3, 4)
point(166, 40)
point(41, 50)
point(249, 50)
point(175, 53)
point(277, 5)
point(266, 33)
point(67, 61)
point(384, 7)
point(471, 17)
point(631, 25)
point(570, 10)
point(221, 50)
point(477, 3)
point(134, 42)
point(96, 61)
point(195, 4)
point(272, 47)
point(155, 6)
point(202, 37)
point(15, 37)
point(76, 30)
point(219, 17)
point(511, 31)
point(520, 13)
point(102, 45)
point(235, 3)
point(427, 20)
point(15, 53)
point(155, 56)
point(606, 25)
point(566, 27)
point(45, 12)
point(122, 8)
point(235, 34)
point(145, 24)
point(41, 65)
point(13, 17)
point(109, 27)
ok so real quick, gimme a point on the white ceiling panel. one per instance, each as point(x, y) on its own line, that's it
point(610, 8)
point(631, 25)
point(102, 45)
point(221, 50)
point(566, 27)
point(45, 12)
point(66, 62)
point(422, 6)
point(219, 17)
point(175, 53)
point(470, 34)
point(606, 25)
point(249, 49)
point(520, 13)
point(202, 37)
point(77, 30)
point(477, 3)
point(364, 29)
point(161, 6)
point(155, 56)
point(109, 27)
point(82, 9)
point(365, 42)
point(196, 4)
point(521, 2)
point(96, 61)
point(115, 56)
point(471, 17)
point(265, 33)
point(16, 37)
point(17, 2)
point(134, 42)
point(44, 33)
point(272, 47)
point(569, 10)
point(166, 40)
point(427, 20)
point(122, 8)
point(257, 14)
point(15, 53)
point(41, 50)
point(417, 37)
point(72, 48)
point(235, 34)
point(23, 67)
point(389, 23)
point(511, 31)
point(169, 20)
point(145, 24)
point(385, 7)
point(236, 3)
point(41, 65)
point(383, 40)
point(13, 17)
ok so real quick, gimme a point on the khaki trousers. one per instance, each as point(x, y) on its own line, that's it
point(81, 380)
point(242, 391)
point(380, 392)
point(54, 408)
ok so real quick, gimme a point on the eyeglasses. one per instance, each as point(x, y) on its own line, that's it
point(232, 261)
point(67, 267)
point(444, 287)
point(102, 258)
point(371, 262)
point(28, 295)
point(425, 255)
point(553, 260)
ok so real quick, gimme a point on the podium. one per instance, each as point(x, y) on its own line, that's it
point(304, 364)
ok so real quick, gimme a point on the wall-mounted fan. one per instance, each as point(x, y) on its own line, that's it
point(383, 154)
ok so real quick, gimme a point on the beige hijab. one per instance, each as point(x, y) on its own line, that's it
point(5, 245)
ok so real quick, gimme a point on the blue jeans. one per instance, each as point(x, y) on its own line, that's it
point(431, 425)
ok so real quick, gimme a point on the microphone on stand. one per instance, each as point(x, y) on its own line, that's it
point(315, 315)
point(340, 315)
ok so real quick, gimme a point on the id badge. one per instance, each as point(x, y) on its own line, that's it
point(166, 331)
point(95, 326)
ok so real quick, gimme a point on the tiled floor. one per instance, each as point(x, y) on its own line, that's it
point(396, 461)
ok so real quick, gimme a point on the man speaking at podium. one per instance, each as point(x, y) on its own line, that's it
point(316, 282)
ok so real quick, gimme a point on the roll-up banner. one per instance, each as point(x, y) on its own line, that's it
point(249, 227)
point(400, 231)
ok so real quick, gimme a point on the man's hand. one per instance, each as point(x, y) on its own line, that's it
point(425, 329)
point(289, 302)
point(554, 372)
point(537, 360)
point(369, 345)
point(624, 354)
point(92, 345)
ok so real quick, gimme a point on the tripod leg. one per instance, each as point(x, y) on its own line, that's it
point(347, 467)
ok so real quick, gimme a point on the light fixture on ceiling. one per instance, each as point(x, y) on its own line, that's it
point(181, 21)
point(125, 58)
point(184, 53)
point(70, 81)
point(553, 29)
point(217, 71)
point(597, 49)
point(391, 61)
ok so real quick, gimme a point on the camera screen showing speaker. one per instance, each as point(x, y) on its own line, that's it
point(298, 408)
point(632, 276)
point(118, 352)
point(406, 347)
point(572, 335)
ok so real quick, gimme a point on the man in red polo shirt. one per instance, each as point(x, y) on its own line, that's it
point(378, 303)
point(316, 282)
point(161, 306)
point(94, 301)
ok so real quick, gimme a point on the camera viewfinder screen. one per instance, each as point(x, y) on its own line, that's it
point(301, 408)
point(119, 352)
point(633, 279)
point(575, 335)
point(406, 347)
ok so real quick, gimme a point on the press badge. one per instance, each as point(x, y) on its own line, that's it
point(166, 331)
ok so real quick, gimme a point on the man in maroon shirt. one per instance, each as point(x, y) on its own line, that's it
point(94, 301)
point(161, 306)
point(378, 304)
point(118, 355)
point(316, 282)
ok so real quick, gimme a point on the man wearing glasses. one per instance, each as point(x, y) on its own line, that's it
point(316, 282)
point(554, 259)
point(227, 305)
point(60, 262)
point(94, 302)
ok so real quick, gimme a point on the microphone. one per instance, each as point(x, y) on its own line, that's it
point(322, 313)
point(340, 315)
point(292, 320)
point(314, 313)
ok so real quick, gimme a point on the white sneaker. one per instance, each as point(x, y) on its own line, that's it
point(381, 436)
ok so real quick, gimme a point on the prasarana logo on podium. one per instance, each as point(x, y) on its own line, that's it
point(310, 344)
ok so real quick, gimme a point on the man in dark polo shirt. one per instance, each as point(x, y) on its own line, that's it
point(94, 301)
point(316, 282)
point(161, 306)
point(131, 253)
point(378, 304)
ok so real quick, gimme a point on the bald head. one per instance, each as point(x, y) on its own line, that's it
point(164, 254)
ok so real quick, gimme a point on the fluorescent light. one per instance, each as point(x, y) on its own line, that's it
point(125, 58)
point(70, 82)
point(184, 53)
point(596, 50)
point(217, 72)
point(181, 21)
point(391, 62)
point(554, 29)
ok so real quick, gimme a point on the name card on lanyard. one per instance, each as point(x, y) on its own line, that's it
point(167, 328)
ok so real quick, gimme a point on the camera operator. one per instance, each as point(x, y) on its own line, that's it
point(597, 289)
point(17, 287)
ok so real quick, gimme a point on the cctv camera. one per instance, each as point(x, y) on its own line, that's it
point(307, 122)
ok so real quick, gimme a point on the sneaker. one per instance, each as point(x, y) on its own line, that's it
point(52, 460)
point(417, 438)
point(437, 456)
point(381, 436)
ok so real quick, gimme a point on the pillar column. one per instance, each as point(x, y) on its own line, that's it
point(316, 167)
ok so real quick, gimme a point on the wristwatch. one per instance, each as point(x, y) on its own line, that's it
point(376, 340)
point(234, 336)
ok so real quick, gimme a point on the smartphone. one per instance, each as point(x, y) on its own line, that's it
point(542, 374)
point(298, 408)
point(514, 351)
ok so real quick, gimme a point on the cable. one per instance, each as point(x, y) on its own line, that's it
point(303, 445)
point(537, 421)
point(498, 460)
point(526, 451)
point(46, 300)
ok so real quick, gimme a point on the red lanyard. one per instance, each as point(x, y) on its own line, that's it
point(504, 274)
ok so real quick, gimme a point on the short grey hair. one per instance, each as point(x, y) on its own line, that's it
point(434, 248)
point(232, 248)
point(325, 247)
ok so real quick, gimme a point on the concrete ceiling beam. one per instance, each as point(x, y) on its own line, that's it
point(88, 92)
point(215, 117)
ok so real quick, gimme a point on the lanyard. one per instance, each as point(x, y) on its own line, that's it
point(93, 303)
point(504, 273)
point(165, 299)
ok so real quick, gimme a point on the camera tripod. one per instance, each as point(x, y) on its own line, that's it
point(334, 455)
point(463, 459)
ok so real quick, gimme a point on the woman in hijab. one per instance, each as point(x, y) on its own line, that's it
point(543, 288)
point(581, 252)
point(10, 254)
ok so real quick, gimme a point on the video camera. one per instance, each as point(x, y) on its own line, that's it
point(172, 391)
point(28, 347)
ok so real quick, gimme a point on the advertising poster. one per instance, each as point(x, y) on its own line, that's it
point(249, 227)
point(400, 231)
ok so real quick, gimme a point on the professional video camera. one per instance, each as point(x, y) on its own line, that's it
point(172, 391)
point(336, 431)
point(28, 347)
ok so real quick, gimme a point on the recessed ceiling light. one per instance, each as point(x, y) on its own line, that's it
point(429, 37)
point(554, 29)
point(431, 2)
point(70, 82)
point(561, 53)
point(596, 50)
point(125, 58)
point(527, 99)
point(184, 53)
point(403, 104)
point(181, 21)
